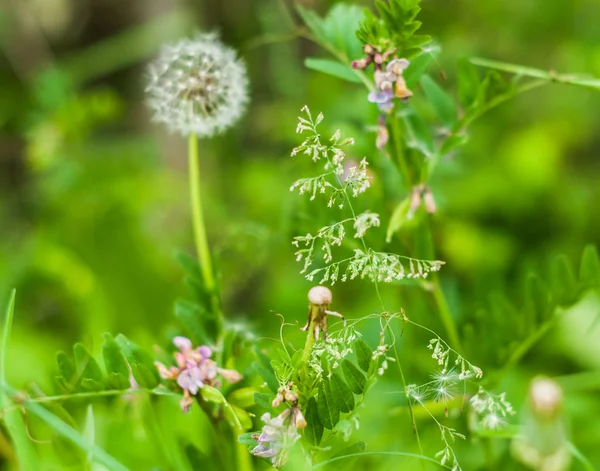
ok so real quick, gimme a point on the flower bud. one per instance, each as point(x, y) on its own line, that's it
point(546, 398)
point(298, 418)
point(320, 295)
point(277, 401)
point(290, 397)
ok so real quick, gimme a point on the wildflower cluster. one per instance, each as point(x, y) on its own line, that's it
point(341, 185)
point(280, 433)
point(493, 409)
point(197, 86)
point(194, 370)
point(333, 349)
point(389, 80)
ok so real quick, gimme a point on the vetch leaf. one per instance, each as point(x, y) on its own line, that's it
point(115, 363)
point(563, 280)
point(398, 219)
point(263, 400)
point(341, 394)
point(356, 380)
point(589, 269)
point(144, 376)
point(314, 428)
point(364, 355)
point(66, 368)
point(329, 415)
point(212, 394)
point(189, 314)
point(334, 68)
point(88, 369)
point(442, 103)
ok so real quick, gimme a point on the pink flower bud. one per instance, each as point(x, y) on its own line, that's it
point(320, 295)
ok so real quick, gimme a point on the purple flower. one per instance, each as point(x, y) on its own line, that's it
point(278, 435)
point(190, 379)
point(383, 99)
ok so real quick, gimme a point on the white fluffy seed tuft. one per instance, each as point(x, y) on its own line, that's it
point(197, 86)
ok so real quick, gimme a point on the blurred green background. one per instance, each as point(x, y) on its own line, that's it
point(94, 202)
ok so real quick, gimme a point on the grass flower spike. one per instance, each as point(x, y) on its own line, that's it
point(197, 86)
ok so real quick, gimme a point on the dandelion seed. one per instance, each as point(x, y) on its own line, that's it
point(197, 86)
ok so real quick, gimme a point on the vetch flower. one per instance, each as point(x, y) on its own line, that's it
point(197, 86)
point(194, 370)
point(278, 435)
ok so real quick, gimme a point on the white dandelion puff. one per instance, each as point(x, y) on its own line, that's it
point(197, 86)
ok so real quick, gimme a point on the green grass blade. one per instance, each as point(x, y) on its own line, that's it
point(380, 453)
point(69, 433)
point(24, 450)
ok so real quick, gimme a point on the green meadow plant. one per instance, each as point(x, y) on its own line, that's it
point(300, 405)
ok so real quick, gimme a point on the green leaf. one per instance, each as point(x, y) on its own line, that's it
point(356, 380)
point(334, 68)
point(100, 456)
point(23, 448)
point(67, 373)
point(243, 397)
point(144, 376)
point(88, 369)
point(357, 447)
point(442, 103)
point(341, 393)
point(263, 400)
point(418, 134)
point(419, 65)
point(212, 394)
point(115, 363)
point(453, 142)
point(246, 439)
point(237, 418)
point(537, 297)
point(329, 415)
point(142, 365)
point(563, 281)
point(364, 355)
point(589, 269)
point(336, 30)
point(398, 218)
point(468, 82)
point(314, 428)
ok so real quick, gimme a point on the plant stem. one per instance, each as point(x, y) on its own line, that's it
point(310, 335)
point(200, 238)
point(446, 315)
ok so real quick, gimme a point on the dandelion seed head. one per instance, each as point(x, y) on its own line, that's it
point(197, 86)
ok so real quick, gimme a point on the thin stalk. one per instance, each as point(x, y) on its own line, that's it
point(446, 315)
point(200, 239)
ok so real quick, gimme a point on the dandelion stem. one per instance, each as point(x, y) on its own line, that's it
point(200, 238)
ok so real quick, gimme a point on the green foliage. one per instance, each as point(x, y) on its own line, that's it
point(394, 27)
point(543, 294)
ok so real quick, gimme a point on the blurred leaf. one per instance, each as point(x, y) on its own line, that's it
point(337, 69)
point(453, 142)
point(115, 363)
point(100, 456)
point(357, 447)
point(336, 30)
point(88, 369)
point(442, 103)
point(238, 418)
point(329, 415)
point(341, 393)
point(314, 428)
point(589, 269)
point(66, 370)
point(356, 380)
point(364, 355)
point(468, 82)
point(563, 281)
point(398, 218)
point(243, 397)
point(246, 439)
point(212, 394)
point(263, 400)
point(418, 134)
point(24, 450)
point(142, 364)
point(419, 65)
point(189, 314)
